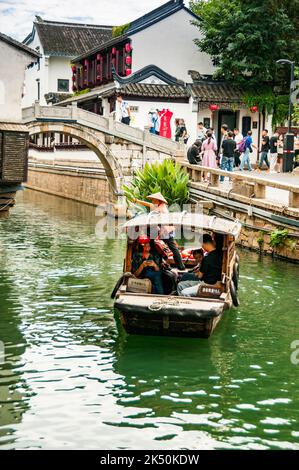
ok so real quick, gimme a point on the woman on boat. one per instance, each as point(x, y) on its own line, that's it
point(158, 203)
point(147, 264)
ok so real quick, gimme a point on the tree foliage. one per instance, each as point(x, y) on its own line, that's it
point(246, 37)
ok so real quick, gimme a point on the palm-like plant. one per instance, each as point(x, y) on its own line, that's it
point(167, 177)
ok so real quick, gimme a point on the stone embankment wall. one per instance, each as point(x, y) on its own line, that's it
point(257, 232)
point(90, 189)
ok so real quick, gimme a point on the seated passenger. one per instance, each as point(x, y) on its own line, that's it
point(191, 274)
point(210, 270)
point(158, 203)
point(147, 264)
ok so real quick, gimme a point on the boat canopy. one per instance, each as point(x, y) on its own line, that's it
point(188, 220)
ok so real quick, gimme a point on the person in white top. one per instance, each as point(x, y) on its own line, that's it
point(238, 139)
point(124, 110)
point(201, 131)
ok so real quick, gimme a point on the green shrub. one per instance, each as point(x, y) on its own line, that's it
point(120, 30)
point(168, 177)
point(278, 238)
point(82, 92)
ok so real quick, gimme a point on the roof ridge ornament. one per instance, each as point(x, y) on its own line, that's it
point(144, 73)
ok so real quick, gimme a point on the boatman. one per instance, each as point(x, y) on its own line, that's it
point(210, 271)
point(159, 204)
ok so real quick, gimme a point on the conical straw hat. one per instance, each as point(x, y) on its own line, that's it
point(157, 196)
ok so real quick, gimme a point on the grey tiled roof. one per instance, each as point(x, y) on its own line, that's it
point(216, 91)
point(155, 91)
point(70, 39)
point(19, 45)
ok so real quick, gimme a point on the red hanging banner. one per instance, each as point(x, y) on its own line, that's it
point(165, 123)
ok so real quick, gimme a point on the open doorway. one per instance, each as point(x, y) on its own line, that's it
point(226, 117)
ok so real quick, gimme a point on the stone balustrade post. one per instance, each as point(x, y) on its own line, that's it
point(74, 111)
point(111, 123)
point(294, 199)
point(214, 180)
point(36, 108)
point(259, 191)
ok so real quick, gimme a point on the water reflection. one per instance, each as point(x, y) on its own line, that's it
point(74, 379)
point(14, 391)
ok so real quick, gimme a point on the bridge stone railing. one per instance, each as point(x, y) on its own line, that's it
point(108, 126)
point(245, 186)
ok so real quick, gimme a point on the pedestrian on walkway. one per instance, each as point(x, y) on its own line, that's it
point(193, 153)
point(247, 151)
point(228, 158)
point(213, 134)
point(238, 137)
point(201, 132)
point(209, 149)
point(280, 153)
point(124, 110)
point(273, 152)
point(179, 130)
point(154, 122)
point(223, 137)
point(264, 150)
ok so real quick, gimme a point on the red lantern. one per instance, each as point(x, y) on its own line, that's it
point(128, 60)
point(73, 78)
point(254, 109)
point(113, 50)
point(128, 48)
point(98, 78)
point(99, 57)
point(214, 107)
point(86, 62)
point(128, 72)
point(74, 70)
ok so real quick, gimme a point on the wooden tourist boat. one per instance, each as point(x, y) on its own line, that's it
point(142, 312)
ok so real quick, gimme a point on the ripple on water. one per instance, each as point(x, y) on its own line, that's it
point(69, 366)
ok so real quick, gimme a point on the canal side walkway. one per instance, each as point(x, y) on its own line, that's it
point(272, 194)
point(267, 205)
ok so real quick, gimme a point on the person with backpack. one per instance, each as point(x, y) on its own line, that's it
point(154, 122)
point(245, 148)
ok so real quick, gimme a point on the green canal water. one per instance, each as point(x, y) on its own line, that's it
point(71, 378)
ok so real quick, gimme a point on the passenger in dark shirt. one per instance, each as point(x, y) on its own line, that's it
point(210, 271)
point(193, 153)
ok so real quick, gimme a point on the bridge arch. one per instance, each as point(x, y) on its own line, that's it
point(93, 140)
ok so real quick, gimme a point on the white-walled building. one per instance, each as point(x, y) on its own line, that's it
point(15, 58)
point(14, 136)
point(58, 43)
point(155, 63)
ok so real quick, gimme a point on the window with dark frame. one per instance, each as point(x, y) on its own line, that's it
point(63, 85)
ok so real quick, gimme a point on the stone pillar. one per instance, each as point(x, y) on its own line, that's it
point(294, 199)
point(259, 191)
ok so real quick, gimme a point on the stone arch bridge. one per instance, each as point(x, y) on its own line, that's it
point(120, 148)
